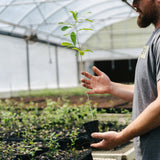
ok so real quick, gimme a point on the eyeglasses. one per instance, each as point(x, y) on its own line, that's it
point(129, 3)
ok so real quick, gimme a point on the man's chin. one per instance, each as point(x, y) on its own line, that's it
point(142, 24)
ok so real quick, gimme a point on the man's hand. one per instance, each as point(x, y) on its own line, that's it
point(102, 84)
point(110, 140)
point(99, 84)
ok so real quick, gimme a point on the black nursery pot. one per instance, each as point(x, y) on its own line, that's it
point(90, 127)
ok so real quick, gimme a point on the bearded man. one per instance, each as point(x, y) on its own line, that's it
point(145, 92)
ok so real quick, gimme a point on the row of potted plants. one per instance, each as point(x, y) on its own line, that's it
point(58, 130)
point(29, 132)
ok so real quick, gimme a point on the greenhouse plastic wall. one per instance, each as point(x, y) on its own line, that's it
point(49, 66)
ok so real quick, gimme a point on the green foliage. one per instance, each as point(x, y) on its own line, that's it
point(73, 136)
point(75, 14)
point(73, 38)
point(26, 123)
point(74, 32)
point(57, 116)
point(65, 28)
point(76, 91)
point(53, 143)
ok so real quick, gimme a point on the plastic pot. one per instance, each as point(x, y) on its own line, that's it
point(90, 127)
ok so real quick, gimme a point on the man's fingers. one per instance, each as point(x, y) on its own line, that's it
point(97, 71)
point(100, 144)
point(86, 85)
point(98, 135)
point(85, 81)
point(88, 75)
point(97, 145)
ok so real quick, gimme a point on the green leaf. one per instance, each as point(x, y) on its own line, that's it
point(89, 20)
point(61, 23)
point(73, 38)
point(65, 28)
point(76, 49)
point(86, 29)
point(81, 53)
point(66, 44)
point(74, 14)
point(66, 35)
point(87, 50)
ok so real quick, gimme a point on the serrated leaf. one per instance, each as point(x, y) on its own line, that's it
point(74, 14)
point(65, 28)
point(66, 44)
point(86, 29)
point(73, 38)
point(89, 20)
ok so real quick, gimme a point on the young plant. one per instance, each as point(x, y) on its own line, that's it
point(53, 143)
point(74, 36)
point(73, 136)
point(74, 32)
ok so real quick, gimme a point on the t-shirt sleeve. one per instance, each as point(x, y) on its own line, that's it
point(158, 59)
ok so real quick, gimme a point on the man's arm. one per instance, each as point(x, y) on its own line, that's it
point(148, 120)
point(102, 84)
point(124, 91)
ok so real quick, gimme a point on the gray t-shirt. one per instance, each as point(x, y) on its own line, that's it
point(147, 147)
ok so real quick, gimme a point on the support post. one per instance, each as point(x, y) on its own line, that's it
point(57, 68)
point(28, 64)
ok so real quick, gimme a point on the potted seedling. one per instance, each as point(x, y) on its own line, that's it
point(73, 43)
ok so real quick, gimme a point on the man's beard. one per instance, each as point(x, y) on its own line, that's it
point(148, 17)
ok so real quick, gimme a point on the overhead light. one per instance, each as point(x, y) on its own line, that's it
point(32, 37)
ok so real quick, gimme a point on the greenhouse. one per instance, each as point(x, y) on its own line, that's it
point(31, 53)
point(44, 47)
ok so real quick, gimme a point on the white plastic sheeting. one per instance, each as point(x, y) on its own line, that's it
point(115, 54)
point(41, 17)
point(50, 66)
point(44, 67)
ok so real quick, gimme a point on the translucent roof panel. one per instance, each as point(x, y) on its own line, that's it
point(41, 17)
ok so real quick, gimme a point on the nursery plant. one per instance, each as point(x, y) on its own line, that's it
point(29, 138)
point(74, 30)
point(53, 132)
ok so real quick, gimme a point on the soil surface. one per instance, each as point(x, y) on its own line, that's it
point(101, 101)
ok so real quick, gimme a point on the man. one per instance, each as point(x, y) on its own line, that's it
point(145, 93)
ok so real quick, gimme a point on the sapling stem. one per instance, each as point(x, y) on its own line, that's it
point(75, 45)
point(88, 98)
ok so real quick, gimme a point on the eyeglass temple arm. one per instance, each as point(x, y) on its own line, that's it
point(125, 1)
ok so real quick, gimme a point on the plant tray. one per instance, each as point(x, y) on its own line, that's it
point(125, 152)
